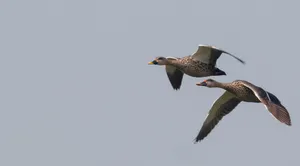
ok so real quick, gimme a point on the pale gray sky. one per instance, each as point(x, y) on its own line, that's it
point(76, 88)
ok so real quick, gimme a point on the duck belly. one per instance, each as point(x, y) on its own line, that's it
point(195, 73)
point(196, 70)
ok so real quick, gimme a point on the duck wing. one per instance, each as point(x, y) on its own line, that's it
point(271, 102)
point(210, 54)
point(221, 107)
point(175, 75)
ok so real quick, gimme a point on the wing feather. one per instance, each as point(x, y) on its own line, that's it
point(221, 107)
point(210, 54)
point(271, 102)
point(175, 76)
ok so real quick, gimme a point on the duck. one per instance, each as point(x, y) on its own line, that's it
point(236, 92)
point(202, 63)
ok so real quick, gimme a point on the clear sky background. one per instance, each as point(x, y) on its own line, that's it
point(76, 88)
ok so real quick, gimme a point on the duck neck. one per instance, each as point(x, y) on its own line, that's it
point(228, 87)
point(225, 86)
point(174, 63)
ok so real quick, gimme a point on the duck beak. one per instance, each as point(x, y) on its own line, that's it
point(202, 83)
point(152, 62)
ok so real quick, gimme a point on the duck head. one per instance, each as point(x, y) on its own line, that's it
point(208, 83)
point(159, 61)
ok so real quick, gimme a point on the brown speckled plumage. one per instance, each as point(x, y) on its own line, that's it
point(193, 67)
point(201, 64)
point(236, 92)
point(243, 93)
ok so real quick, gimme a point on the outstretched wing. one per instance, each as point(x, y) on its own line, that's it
point(221, 107)
point(175, 75)
point(271, 102)
point(210, 54)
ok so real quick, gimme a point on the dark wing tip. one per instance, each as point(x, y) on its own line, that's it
point(289, 123)
point(280, 113)
point(284, 116)
point(198, 139)
point(176, 88)
point(175, 79)
point(243, 62)
point(205, 131)
point(176, 84)
point(240, 60)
